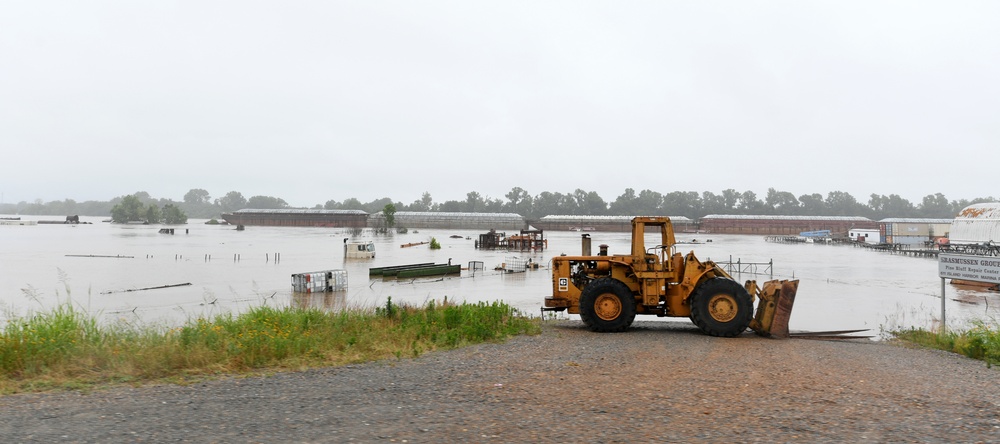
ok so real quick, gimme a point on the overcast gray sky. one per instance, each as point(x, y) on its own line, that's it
point(317, 100)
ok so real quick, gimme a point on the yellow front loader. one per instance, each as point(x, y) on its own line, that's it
point(608, 291)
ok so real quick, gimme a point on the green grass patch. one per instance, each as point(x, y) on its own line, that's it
point(982, 341)
point(67, 349)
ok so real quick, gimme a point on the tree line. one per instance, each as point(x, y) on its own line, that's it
point(690, 204)
point(198, 203)
point(131, 209)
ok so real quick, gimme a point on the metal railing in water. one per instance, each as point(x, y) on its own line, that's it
point(739, 267)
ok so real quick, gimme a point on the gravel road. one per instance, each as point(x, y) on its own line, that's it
point(659, 382)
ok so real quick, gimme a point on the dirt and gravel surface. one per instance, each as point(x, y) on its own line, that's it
point(659, 382)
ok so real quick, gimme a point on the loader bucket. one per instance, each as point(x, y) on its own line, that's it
point(775, 308)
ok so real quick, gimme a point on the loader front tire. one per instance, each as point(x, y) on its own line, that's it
point(721, 307)
point(607, 305)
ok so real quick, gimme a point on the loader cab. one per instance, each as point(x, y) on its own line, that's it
point(656, 256)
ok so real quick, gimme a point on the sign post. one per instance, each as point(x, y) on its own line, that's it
point(944, 328)
point(966, 267)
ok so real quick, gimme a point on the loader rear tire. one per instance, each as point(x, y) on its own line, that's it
point(721, 307)
point(607, 305)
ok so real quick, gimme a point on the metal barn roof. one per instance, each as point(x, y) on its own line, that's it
point(624, 219)
point(767, 217)
point(296, 211)
point(911, 220)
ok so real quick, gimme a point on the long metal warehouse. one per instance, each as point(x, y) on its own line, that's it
point(778, 225)
point(452, 220)
point(298, 218)
point(600, 223)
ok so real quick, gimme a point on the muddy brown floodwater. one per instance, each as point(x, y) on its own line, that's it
point(841, 287)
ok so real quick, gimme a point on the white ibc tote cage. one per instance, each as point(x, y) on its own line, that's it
point(319, 281)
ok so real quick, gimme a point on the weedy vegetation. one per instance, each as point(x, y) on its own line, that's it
point(981, 341)
point(65, 348)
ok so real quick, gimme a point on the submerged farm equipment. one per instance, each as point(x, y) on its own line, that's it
point(608, 291)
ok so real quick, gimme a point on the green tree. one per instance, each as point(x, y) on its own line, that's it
point(389, 213)
point(748, 203)
point(882, 206)
point(425, 203)
point(841, 203)
point(144, 197)
point(625, 204)
point(266, 202)
point(568, 204)
point(781, 202)
point(712, 203)
point(547, 203)
point(172, 214)
point(197, 196)
point(590, 203)
point(680, 203)
point(519, 201)
point(452, 206)
point(813, 204)
point(377, 205)
point(153, 215)
point(493, 205)
point(936, 205)
point(474, 202)
point(232, 201)
point(130, 209)
point(649, 203)
point(731, 199)
point(352, 204)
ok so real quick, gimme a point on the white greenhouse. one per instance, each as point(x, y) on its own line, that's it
point(977, 224)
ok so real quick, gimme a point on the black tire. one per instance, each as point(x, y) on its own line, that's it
point(721, 307)
point(607, 305)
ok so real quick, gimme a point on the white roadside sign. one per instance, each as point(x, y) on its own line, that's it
point(972, 268)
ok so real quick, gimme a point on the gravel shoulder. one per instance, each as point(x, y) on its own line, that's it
point(659, 382)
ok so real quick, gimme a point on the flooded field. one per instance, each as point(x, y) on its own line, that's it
point(100, 267)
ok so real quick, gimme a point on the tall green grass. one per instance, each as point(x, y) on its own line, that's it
point(981, 341)
point(70, 349)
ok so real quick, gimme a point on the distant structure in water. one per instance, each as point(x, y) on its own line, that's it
point(782, 225)
point(298, 218)
point(453, 220)
point(361, 219)
point(601, 223)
